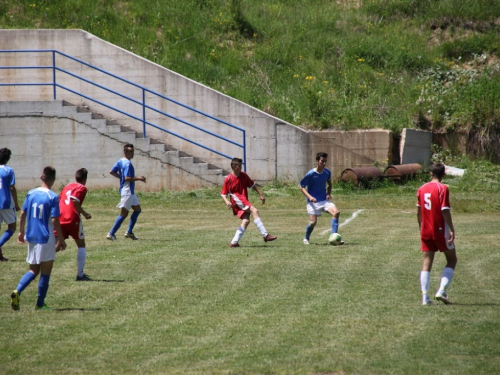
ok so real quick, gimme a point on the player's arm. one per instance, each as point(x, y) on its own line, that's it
point(22, 225)
point(308, 196)
point(262, 198)
point(80, 209)
point(226, 201)
point(329, 189)
point(138, 178)
point(113, 173)
point(14, 196)
point(419, 217)
point(447, 218)
point(60, 244)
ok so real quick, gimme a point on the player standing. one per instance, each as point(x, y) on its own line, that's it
point(318, 198)
point(236, 185)
point(70, 205)
point(124, 170)
point(8, 199)
point(436, 232)
point(41, 213)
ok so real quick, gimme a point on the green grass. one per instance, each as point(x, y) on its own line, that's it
point(179, 300)
point(318, 64)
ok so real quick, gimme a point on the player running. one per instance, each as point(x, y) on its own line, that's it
point(8, 199)
point(236, 186)
point(318, 198)
point(41, 214)
point(124, 170)
point(70, 205)
point(436, 232)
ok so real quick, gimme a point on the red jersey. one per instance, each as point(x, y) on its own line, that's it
point(432, 198)
point(237, 184)
point(69, 214)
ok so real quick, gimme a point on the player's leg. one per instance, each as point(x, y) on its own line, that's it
point(119, 220)
point(136, 207)
point(81, 256)
point(447, 275)
point(43, 284)
point(25, 280)
point(260, 225)
point(425, 275)
point(313, 220)
point(245, 220)
point(9, 217)
point(333, 210)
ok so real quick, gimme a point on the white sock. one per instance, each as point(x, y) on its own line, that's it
point(80, 259)
point(260, 225)
point(425, 281)
point(237, 236)
point(446, 277)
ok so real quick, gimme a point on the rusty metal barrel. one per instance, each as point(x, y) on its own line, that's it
point(403, 172)
point(360, 175)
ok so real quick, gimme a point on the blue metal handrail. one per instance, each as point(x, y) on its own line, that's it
point(55, 68)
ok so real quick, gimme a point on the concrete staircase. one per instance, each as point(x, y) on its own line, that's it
point(155, 148)
point(152, 148)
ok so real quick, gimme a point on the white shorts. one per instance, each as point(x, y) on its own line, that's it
point(128, 201)
point(8, 216)
point(41, 252)
point(315, 208)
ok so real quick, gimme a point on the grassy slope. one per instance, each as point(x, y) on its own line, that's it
point(342, 64)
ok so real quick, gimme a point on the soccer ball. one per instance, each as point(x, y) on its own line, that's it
point(334, 239)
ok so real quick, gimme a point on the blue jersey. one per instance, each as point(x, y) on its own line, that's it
point(40, 205)
point(125, 168)
point(316, 183)
point(7, 179)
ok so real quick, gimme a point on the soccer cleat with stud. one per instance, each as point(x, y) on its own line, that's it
point(131, 236)
point(443, 297)
point(14, 300)
point(305, 241)
point(427, 302)
point(111, 237)
point(44, 307)
point(269, 237)
point(2, 258)
point(234, 244)
point(83, 278)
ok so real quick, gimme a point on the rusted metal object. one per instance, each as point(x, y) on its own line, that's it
point(360, 175)
point(403, 172)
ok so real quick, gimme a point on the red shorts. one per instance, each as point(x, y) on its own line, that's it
point(440, 244)
point(74, 229)
point(240, 204)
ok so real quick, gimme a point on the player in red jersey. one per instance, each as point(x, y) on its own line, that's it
point(436, 232)
point(236, 186)
point(70, 205)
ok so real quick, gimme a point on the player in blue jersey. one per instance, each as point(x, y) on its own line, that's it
point(40, 215)
point(124, 170)
point(8, 199)
point(313, 186)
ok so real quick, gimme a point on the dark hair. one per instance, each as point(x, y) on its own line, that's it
point(49, 174)
point(236, 161)
point(437, 170)
point(128, 145)
point(81, 175)
point(320, 155)
point(4, 155)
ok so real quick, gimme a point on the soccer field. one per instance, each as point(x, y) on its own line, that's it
point(180, 301)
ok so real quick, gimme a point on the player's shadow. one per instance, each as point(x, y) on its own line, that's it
point(474, 304)
point(104, 281)
point(77, 309)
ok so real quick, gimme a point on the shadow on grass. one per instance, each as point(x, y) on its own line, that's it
point(104, 281)
point(475, 304)
point(77, 309)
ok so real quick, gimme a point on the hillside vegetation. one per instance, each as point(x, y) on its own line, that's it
point(430, 64)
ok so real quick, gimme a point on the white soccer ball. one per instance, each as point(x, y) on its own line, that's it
point(335, 239)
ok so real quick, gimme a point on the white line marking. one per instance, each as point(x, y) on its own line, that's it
point(347, 221)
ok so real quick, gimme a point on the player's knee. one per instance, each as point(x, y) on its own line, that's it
point(244, 223)
point(312, 223)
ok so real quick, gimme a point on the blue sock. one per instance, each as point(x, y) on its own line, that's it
point(118, 222)
point(133, 220)
point(25, 281)
point(43, 287)
point(6, 236)
point(309, 230)
point(335, 225)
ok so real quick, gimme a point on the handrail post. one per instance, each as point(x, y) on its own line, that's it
point(143, 113)
point(244, 151)
point(54, 73)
